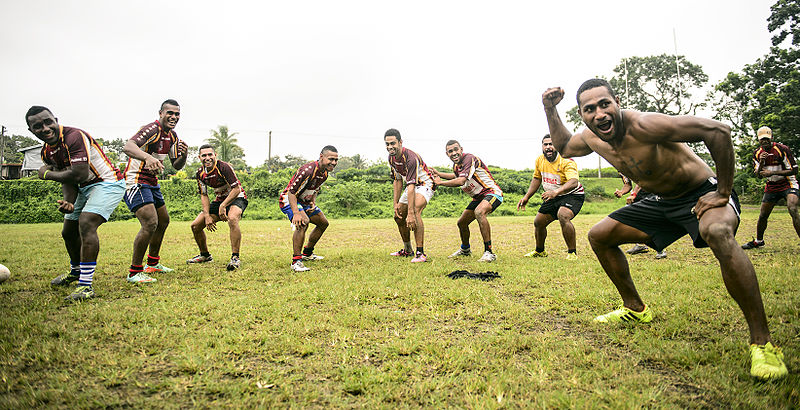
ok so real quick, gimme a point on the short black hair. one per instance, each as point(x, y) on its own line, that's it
point(451, 142)
point(546, 136)
point(169, 101)
point(391, 132)
point(206, 146)
point(35, 110)
point(594, 83)
point(328, 148)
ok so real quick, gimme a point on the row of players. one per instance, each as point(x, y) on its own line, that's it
point(687, 197)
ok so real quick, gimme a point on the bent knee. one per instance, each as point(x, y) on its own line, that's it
point(716, 231)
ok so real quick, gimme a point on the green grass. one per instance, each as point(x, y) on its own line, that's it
point(365, 330)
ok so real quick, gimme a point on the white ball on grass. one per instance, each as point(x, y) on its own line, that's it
point(4, 273)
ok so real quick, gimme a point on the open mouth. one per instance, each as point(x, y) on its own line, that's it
point(604, 126)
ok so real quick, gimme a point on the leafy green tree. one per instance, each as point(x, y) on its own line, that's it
point(226, 144)
point(112, 148)
point(13, 143)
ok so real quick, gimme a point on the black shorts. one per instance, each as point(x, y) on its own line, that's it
point(492, 199)
point(641, 195)
point(240, 202)
point(573, 202)
point(667, 220)
point(773, 197)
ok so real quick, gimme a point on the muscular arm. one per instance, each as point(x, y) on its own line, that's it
point(535, 184)
point(183, 153)
point(235, 193)
point(134, 151)
point(567, 144)
point(298, 218)
point(447, 175)
point(74, 175)
point(450, 182)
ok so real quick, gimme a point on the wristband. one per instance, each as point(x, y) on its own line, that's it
point(44, 176)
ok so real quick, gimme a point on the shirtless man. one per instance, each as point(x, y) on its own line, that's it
point(688, 198)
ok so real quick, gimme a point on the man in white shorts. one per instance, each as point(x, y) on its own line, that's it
point(407, 166)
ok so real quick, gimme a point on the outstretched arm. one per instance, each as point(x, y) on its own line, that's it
point(567, 144)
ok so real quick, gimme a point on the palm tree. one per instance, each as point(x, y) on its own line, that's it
point(225, 144)
point(358, 162)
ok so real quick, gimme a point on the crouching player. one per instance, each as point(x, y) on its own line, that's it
point(297, 201)
point(474, 178)
point(229, 205)
point(92, 188)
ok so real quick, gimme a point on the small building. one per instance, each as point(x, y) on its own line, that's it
point(31, 161)
point(10, 171)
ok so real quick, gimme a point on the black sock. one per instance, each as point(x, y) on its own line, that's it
point(571, 251)
point(236, 254)
point(540, 249)
point(308, 251)
point(419, 250)
point(206, 254)
point(487, 246)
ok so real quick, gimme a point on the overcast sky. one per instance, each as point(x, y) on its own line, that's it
point(342, 72)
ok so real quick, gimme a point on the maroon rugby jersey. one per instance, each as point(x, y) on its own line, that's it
point(479, 180)
point(411, 168)
point(153, 140)
point(222, 178)
point(304, 184)
point(75, 146)
point(779, 158)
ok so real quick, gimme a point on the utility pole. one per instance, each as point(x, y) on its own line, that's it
point(269, 150)
point(2, 146)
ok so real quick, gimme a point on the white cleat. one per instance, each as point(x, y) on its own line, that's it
point(299, 267)
point(488, 257)
point(313, 257)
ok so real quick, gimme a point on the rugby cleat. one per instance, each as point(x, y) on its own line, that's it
point(141, 277)
point(572, 256)
point(534, 254)
point(313, 257)
point(636, 249)
point(402, 253)
point(299, 267)
point(488, 257)
point(755, 243)
point(82, 292)
point(419, 258)
point(461, 252)
point(64, 279)
point(661, 255)
point(624, 314)
point(766, 362)
point(157, 269)
point(200, 259)
point(234, 263)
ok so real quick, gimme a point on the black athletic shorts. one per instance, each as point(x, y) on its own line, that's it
point(493, 199)
point(773, 197)
point(240, 202)
point(667, 220)
point(641, 195)
point(573, 202)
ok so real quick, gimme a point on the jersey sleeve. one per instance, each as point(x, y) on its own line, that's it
point(625, 180)
point(411, 169)
point(146, 134)
point(788, 159)
point(173, 150)
point(301, 178)
point(755, 158)
point(76, 146)
point(230, 176)
point(468, 166)
point(202, 188)
point(570, 170)
point(537, 169)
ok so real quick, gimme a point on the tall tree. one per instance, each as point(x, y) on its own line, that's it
point(225, 143)
point(12, 144)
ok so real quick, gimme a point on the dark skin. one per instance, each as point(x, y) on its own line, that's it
point(154, 221)
point(80, 237)
point(455, 153)
point(408, 217)
point(766, 207)
point(565, 215)
point(642, 146)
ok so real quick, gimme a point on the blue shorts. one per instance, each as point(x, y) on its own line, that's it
point(300, 207)
point(101, 198)
point(143, 194)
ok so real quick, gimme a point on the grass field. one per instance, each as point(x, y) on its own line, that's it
point(365, 330)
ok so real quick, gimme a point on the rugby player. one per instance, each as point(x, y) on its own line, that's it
point(686, 198)
point(146, 152)
point(229, 204)
point(298, 202)
point(409, 203)
point(474, 178)
point(562, 197)
point(92, 188)
point(775, 162)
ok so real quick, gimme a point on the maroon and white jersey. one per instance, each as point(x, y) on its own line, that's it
point(779, 158)
point(153, 140)
point(75, 146)
point(479, 179)
point(221, 178)
point(304, 184)
point(410, 168)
